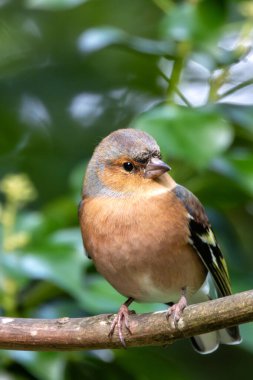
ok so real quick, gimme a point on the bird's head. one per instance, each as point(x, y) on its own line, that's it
point(123, 162)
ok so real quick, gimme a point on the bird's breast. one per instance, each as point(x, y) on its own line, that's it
point(140, 245)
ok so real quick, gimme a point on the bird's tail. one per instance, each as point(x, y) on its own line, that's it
point(209, 342)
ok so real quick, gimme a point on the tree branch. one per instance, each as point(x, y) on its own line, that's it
point(147, 329)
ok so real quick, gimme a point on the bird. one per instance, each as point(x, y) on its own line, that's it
point(148, 236)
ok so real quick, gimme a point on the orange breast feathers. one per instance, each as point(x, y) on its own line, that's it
point(131, 240)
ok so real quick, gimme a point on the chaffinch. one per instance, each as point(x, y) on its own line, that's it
point(148, 236)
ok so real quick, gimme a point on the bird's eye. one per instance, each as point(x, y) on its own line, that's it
point(128, 166)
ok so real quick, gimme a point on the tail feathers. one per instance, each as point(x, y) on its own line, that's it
point(208, 343)
point(230, 335)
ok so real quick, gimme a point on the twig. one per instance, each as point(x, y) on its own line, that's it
point(151, 329)
point(177, 91)
point(236, 88)
point(216, 81)
point(174, 78)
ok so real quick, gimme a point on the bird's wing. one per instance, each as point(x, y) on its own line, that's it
point(203, 240)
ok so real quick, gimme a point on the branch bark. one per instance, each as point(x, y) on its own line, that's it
point(151, 329)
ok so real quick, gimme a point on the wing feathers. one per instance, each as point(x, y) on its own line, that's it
point(203, 240)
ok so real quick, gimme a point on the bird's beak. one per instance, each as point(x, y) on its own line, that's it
point(155, 168)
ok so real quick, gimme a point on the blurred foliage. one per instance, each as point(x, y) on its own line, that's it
point(71, 71)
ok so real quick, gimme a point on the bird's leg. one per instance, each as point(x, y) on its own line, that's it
point(175, 311)
point(122, 319)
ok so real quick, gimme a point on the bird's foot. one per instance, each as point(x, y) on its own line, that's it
point(121, 320)
point(175, 311)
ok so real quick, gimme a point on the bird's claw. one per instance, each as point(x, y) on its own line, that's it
point(121, 320)
point(175, 311)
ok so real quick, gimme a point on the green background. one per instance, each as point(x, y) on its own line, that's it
point(72, 71)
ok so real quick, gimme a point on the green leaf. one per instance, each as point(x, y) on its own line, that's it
point(240, 115)
point(192, 22)
point(217, 190)
point(96, 39)
point(60, 260)
point(53, 4)
point(238, 166)
point(194, 135)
